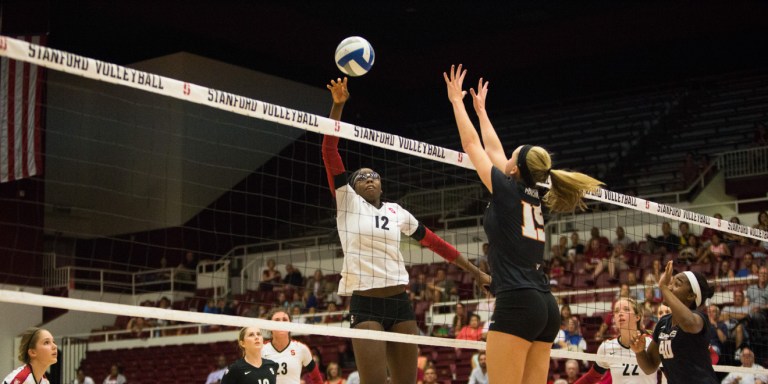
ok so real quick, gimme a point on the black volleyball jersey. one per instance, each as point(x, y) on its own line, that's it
point(684, 356)
point(515, 228)
point(240, 372)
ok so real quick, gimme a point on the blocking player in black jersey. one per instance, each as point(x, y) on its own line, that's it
point(680, 339)
point(526, 319)
point(251, 368)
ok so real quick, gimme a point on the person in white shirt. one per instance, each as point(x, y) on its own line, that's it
point(38, 352)
point(290, 355)
point(627, 319)
point(82, 378)
point(479, 375)
point(215, 376)
point(747, 361)
point(373, 271)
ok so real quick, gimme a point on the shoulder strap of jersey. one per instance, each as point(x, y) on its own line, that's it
point(22, 375)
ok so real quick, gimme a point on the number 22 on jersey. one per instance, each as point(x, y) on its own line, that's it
point(533, 222)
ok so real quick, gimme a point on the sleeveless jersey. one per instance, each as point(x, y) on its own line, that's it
point(240, 372)
point(23, 375)
point(370, 238)
point(684, 355)
point(290, 361)
point(515, 228)
point(623, 373)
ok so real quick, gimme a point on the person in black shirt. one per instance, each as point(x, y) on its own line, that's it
point(251, 368)
point(680, 339)
point(526, 319)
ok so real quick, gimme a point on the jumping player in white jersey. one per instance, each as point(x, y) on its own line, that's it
point(290, 355)
point(627, 319)
point(37, 351)
point(374, 271)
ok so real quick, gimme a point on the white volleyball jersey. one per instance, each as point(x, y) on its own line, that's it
point(370, 238)
point(290, 361)
point(23, 375)
point(624, 373)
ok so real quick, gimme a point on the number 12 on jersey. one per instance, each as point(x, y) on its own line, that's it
point(533, 222)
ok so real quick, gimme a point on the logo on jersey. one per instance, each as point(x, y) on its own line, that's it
point(247, 372)
point(293, 353)
point(392, 210)
point(272, 371)
point(538, 266)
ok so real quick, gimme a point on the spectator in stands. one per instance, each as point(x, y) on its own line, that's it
point(137, 327)
point(482, 260)
point(706, 234)
point(664, 243)
point(471, 331)
point(654, 274)
point(187, 269)
point(689, 170)
point(557, 253)
point(595, 234)
point(221, 368)
point(296, 315)
point(479, 375)
point(297, 301)
point(282, 300)
point(270, 277)
point(226, 307)
point(333, 374)
point(732, 240)
point(81, 378)
point(724, 270)
point(556, 269)
point(733, 316)
point(430, 376)
point(565, 315)
point(715, 252)
point(576, 250)
point(747, 358)
point(596, 256)
point(571, 338)
point(460, 318)
point(316, 285)
point(563, 247)
point(440, 289)
point(333, 318)
point(571, 371)
point(691, 251)
point(293, 276)
point(617, 261)
point(621, 238)
point(718, 331)
point(115, 375)
point(684, 233)
point(418, 287)
point(624, 291)
point(313, 319)
point(757, 294)
point(211, 307)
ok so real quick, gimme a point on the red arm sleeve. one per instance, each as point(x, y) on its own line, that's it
point(332, 160)
point(591, 377)
point(439, 246)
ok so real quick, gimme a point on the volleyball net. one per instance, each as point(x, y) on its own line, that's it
point(142, 169)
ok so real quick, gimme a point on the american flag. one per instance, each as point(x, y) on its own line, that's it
point(20, 117)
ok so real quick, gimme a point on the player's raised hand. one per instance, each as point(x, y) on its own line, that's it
point(339, 90)
point(453, 82)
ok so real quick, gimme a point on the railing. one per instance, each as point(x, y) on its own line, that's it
point(73, 352)
point(745, 162)
point(104, 280)
point(190, 329)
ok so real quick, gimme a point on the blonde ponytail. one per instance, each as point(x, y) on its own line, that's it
point(566, 189)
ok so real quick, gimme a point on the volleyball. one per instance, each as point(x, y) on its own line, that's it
point(354, 56)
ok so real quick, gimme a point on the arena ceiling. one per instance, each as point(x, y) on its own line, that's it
point(532, 51)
